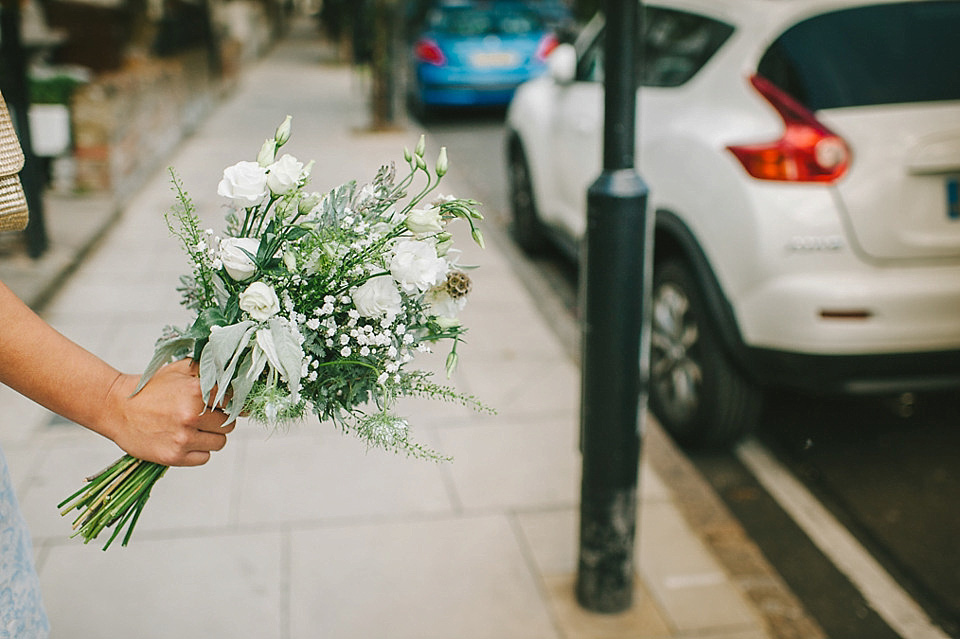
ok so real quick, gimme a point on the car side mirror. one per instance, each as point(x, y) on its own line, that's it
point(562, 63)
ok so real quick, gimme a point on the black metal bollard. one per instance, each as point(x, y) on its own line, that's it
point(611, 406)
point(616, 287)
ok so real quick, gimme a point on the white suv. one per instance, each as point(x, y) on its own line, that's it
point(803, 161)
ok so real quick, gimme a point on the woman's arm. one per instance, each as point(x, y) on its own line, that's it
point(166, 422)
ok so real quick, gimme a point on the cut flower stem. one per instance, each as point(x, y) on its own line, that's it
point(114, 496)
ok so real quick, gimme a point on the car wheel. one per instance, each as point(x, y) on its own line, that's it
point(417, 108)
point(527, 229)
point(696, 393)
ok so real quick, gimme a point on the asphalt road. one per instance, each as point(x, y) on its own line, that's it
point(887, 470)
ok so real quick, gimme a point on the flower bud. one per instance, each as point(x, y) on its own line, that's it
point(421, 146)
point(283, 132)
point(290, 261)
point(308, 203)
point(451, 363)
point(407, 156)
point(268, 153)
point(425, 220)
point(478, 237)
point(444, 243)
point(442, 162)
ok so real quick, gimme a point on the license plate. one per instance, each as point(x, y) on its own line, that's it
point(493, 59)
point(953, 198)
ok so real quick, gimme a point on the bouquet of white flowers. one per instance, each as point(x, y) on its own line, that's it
point(310, 304)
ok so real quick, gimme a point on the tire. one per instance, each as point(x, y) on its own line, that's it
point(527, 229)
point(421, 111)
point(696, 393)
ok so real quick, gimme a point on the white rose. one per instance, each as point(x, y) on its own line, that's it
point(238, 264)
point(416, 266)
point(425, 220)
point(244, 181)
point(284, 175)
point(260, 301)
point(377, 297)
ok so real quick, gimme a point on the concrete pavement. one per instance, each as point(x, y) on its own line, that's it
point(305, 534)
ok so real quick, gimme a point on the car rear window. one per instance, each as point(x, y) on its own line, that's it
point(677, 44)
point(478, 21)
point(674, 45)
point(879, 54)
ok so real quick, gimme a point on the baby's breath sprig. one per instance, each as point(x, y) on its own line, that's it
point(183, 223)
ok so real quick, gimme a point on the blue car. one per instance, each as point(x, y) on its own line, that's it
point(476, 54)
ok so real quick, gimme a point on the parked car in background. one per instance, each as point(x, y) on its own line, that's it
point(803, 161)
point(476, 54)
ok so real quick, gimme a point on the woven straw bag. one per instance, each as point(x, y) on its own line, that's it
point(13, 203)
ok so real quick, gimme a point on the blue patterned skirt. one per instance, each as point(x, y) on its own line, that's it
point(21, 608)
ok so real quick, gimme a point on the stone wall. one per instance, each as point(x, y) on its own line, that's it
point(126, 122)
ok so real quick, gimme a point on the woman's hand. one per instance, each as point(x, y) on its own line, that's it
point(167, 421)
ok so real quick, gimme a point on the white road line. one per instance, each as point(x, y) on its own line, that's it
point(880, 590)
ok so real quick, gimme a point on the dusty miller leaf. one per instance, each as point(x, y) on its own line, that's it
point(247, 374)
point(289, 355)
point(220, 356)
point(165, 351)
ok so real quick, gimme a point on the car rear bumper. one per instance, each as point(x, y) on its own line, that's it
point(888, 373)
point(855, 311)
point(448, 95)
point(454, 87)
point(866, 332)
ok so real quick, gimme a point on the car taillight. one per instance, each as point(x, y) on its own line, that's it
point(807, 152)
point(546, 46)
point(428, 51)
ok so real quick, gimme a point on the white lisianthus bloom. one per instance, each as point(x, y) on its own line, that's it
point(416, 266)
point(244, 181)
point(445, 307)
point(284, 174)
point(377, 297)
point(235, 261)
point(260, 301)
point(425, 220)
